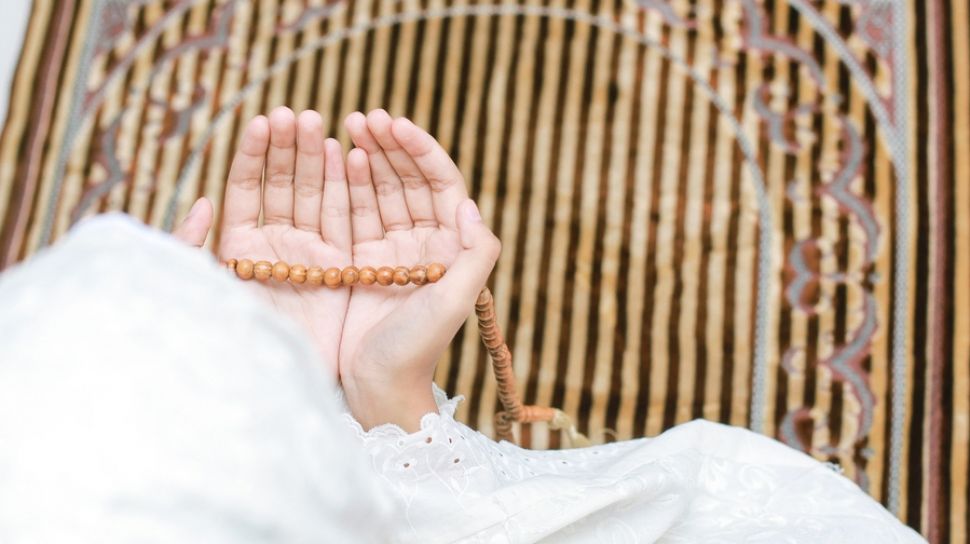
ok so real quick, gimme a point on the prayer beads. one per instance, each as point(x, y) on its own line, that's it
point(333, 277)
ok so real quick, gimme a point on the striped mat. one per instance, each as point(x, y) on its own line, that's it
point(743, 210)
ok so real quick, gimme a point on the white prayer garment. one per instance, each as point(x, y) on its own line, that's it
point(145, 396)
point(698, 483)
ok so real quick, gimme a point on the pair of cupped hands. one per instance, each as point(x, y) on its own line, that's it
point(397, 198)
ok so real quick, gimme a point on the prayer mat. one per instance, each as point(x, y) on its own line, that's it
point(748, 211)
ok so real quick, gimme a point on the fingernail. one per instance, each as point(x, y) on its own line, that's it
point(471, 211)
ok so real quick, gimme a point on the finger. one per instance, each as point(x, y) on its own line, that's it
point(444, 179)
point(280, 163)
point(308, 173)
point(335, 212)
point(365, 217)
point(417, 192)
point(390, 194)
point(244, 185)
point(469, 272)
point(195, 227)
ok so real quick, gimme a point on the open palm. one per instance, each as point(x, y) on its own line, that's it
point(410, 207)
point(405, 192)
point(306, 216)
point(401, 202)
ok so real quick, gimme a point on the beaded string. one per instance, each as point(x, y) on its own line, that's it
point(246, 269)
point(514, 411)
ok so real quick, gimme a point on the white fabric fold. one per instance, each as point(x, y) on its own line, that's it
point(146, 396)
point(700, 482)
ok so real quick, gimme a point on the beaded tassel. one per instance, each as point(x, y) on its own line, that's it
point(298, 274)
point(513, 410)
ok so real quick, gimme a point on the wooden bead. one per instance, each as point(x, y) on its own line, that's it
point(314, 275)
point(281, 271)
point(401, 275)
point(244, 269)
point(262, 270)
point(332, 277)
point(435, 271)
point(368, 275)
point(385, 275)
point(298, 274)
point(349, 276)
point(231, 264)
point(419, 275)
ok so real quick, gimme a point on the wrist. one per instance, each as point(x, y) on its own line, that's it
point(400, 402)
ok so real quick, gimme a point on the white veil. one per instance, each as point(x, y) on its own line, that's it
point(146, 397)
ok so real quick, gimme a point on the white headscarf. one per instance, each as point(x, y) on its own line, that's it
point(146, 397)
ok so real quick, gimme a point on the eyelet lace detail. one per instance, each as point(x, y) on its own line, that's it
point(446, 409)
point(697, 483)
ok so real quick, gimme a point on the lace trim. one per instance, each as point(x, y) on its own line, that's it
point(446, 411)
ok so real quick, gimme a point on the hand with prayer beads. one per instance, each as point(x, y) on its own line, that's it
point(411, 217)
point(410, 206)
point(285, 168)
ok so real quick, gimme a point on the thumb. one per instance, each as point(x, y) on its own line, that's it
point(469, 272)
point(195, 227)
